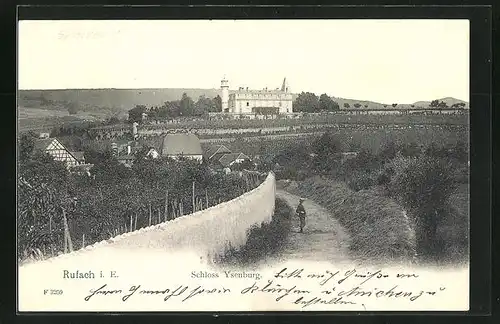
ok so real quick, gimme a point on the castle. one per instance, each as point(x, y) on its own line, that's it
point(256, 102)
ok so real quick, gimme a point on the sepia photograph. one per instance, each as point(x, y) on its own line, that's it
point(243, 165)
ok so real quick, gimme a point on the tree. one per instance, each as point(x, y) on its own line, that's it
point(326, 103)
point(326, 145)
point(366, 105)
point(172, 109)
point(443, 104)
point(357, 105)
point(306, 102)
point(186, 105)
point(346, 105)
point(72, 108)
point(135, 114)
point(434, 103)
point(394, 105)
point(423, 188)
point(217, 104)
point(203, 106)
point(26, 146)
point(328, 153)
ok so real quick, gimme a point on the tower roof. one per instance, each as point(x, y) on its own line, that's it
point(284, 86)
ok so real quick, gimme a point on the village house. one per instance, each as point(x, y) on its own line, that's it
point(60, 153)
point(216, 152)
point(221, 157)
point(228, 160)
point(74, 161)
point(175, 146)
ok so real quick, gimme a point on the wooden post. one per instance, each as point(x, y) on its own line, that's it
point(173, 210)
point(149, 213)
point(181, 207)
point(135, 224)
point(206, 197)
point(165, 215)
point(159, 216)
point(131, 223)
point(67, 234)
point(83, 240)
point(194, 202)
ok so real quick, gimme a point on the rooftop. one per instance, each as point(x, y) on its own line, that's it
point(180, 144)
point(227, 159)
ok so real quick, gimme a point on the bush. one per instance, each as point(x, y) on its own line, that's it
point(423, 186)
point(265, 240)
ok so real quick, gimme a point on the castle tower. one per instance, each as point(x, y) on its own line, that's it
point(284, 86)
point(224, 85)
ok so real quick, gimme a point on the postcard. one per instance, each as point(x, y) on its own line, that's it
point(243, 165)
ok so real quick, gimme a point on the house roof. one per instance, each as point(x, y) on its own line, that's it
point(227, 159)
point(180, 144)
point(216, 157)
point(43, 143)
point(217, 149)
point(78, 155)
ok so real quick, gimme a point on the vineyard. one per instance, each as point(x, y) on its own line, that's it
point(59, 212)
point(210, 232)
point(454, 119)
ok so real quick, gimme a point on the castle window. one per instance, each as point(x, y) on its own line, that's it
point(248, 104)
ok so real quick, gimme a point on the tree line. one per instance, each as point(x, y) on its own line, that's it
point(311, 103)
point(185, 107)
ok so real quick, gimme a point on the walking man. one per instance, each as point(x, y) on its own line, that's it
point(301, 212)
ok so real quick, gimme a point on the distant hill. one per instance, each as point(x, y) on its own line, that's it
point(112, 99)
point(376, 105)
point(119, 101)
point(448, 100)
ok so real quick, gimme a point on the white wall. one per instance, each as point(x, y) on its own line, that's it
point(206, 233)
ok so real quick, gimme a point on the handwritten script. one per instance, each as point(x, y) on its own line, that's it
point(296, 286)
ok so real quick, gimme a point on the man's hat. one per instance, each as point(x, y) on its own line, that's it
point(302, 199)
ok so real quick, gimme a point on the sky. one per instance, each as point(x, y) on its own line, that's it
point(387, 61)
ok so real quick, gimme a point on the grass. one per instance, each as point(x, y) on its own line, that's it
point(262, 241)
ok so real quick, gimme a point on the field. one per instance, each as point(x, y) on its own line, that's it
point(39, 119)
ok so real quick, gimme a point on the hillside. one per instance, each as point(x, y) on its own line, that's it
point(449, 101)
point(112, 99)
point(115, 101)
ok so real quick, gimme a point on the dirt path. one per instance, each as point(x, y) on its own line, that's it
point(323, 239)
